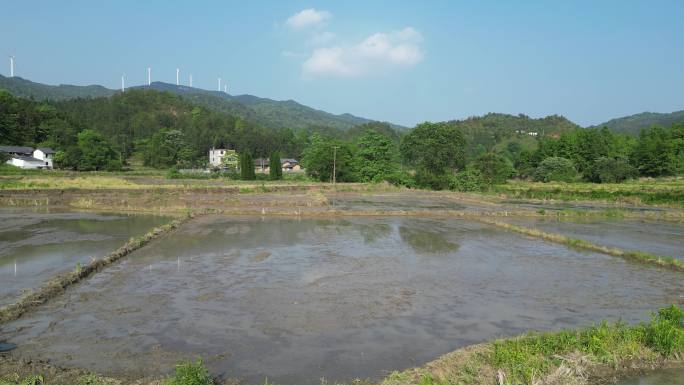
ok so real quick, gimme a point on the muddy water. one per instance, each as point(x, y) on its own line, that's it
point(297, 300)
point(661, 377)
point(35, 246)
point(660, 238)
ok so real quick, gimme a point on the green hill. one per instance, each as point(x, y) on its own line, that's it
point(28, 89)
point(495, 131)
point(634, 123)
point(269, 113)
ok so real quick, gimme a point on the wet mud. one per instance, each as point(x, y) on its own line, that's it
point(655, 237)
point(296, 300)
point(35, 246)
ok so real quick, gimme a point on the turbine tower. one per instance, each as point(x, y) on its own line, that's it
point(219, 84)
point(149, 76)
point(225, 88)
point(11, 66)
point(177, 74)
point(190, 80)
point(123, 86)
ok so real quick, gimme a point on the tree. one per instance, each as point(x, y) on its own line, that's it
point(555, 169)
point(166, 148)
point(96, 153)
point(230, 160)
point(493, 168)
point(377, 155)
point(434, 149)
point(613, 170)
point(655, 153)
point(322, 153)
point(247, 171)
point(275, 168)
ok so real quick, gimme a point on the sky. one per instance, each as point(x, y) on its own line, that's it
point(400, 61)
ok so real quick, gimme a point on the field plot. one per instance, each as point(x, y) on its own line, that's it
point(298, 300)
point(35, 246)
point(655, 237)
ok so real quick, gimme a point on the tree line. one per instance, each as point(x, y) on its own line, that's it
point(162, 130)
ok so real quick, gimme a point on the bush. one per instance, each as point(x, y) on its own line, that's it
point(468, 180)
point(493, 168)
point(114, 165)
point(400, 178)
point(665, 332)
point(612, 170)
point(427, 179)
point(188, 373)
point(555, 169)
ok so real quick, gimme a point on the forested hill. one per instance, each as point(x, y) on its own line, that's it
point(495, 132)
point(267, 112)
point(27, 89)
point(634, 123)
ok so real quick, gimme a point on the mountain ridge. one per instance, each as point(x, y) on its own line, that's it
point(268, 112)
point(632, 124)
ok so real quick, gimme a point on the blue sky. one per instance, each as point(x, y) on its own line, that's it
point(404, 62)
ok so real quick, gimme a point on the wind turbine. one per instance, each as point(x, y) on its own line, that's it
point(225, 88)
point(177, 74)
point(149, 76)
point(219, 84)
point(190, 80)
point(11, 66)
point(123, 87)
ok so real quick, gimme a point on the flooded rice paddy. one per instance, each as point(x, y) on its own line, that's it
point(299, 300)
point(34, 246)
point(661, 377)
point(660, 238)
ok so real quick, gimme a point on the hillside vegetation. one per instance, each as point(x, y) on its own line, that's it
point(634, 123)
point(266, 112)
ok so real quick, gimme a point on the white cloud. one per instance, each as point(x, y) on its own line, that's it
point(308, 18)
point(319, 39)
point(380, 51)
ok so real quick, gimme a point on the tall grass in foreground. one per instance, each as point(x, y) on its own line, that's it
point(565, 357)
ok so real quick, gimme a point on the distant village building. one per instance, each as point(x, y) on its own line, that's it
point(287, 164)
point(29, 158)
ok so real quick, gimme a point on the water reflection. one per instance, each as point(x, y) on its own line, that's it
point(425, 241)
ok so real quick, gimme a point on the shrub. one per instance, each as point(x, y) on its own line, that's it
point(493, 168)
point(188, 373)
point(400, 178)
point(468, 180)
point(612, 170)
point(555, 169)
point(665, 332)
point(427, 179)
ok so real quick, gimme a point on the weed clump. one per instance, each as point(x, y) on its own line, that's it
point(188, 373)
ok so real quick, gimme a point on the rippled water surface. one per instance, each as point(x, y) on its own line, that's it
point(297, 300)
point(34, 246)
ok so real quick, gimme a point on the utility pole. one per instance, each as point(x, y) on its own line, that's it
point(335, 165)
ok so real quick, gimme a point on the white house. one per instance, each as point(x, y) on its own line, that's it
point(45, 154)
point(27, 157)
point(216, 155)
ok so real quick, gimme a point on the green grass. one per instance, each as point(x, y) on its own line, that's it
point(533, 356)
point(188, 373)
point(650, 192)
point(564, 357)
point(30, 380)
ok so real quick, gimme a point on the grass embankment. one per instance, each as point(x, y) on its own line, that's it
point(669, 192)
point(570, 357)
point(638, 256)
point(59, 284)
